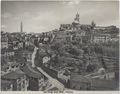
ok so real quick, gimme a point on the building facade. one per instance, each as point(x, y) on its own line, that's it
point(6, 85)
point(79, 82)
point(18, 79)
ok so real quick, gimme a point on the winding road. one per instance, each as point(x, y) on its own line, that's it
point(52, 81)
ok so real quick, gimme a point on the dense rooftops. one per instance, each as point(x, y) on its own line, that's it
point(80, 78)
point(13, 75)
point(53, 74)
point(31, 72)
point(102, 84)
point(5, 83)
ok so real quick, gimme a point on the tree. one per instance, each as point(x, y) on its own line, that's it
point(90, 68)
point(56, 45)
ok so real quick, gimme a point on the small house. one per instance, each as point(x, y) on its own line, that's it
point(18, 79)
point(80, 82)
point(6, 85)
point(36, 79)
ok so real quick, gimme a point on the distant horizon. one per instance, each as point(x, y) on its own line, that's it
point(53, 29)
point(40, 16)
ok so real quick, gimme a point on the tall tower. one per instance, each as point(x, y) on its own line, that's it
point(93, 24)
point(76, 18)
point(21, 27)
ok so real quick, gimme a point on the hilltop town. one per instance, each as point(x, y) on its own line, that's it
point(75, 56)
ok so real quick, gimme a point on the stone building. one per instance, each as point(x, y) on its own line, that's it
point(4, 40)
point(8, 66)
point(76, 26)
point(7, 52)
point(6, 85)
point(100, 38)
point(79, 82)
point(104, 85)
point(36, 80)
point(18, 79)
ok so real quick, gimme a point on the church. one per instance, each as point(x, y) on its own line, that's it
point(76, 26)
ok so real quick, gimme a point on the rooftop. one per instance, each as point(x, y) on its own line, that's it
point(53, 74)
point(4, 67)
point(5, 83)
point(98, 34)
point(4, 61)
point(80, 78)
point(103, 84)
point(29, 71)
point(26, 52)
point(13, 75)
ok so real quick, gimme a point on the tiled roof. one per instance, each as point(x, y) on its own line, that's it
point(4, 61)
point(80, 78)
point(26, 52)
point(13, 75)
point(42, 52)
point(66, 59)
point(14, 64)
point(4, 67)
point(5, 83)
point(97, 34)
point(31, 72)
point(53, 74)
point(103, 84)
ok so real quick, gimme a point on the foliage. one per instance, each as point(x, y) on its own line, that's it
point(90, 68)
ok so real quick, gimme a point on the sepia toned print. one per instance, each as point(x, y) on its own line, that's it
point(59, 46)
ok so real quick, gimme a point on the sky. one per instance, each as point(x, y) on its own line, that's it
point(44, 16)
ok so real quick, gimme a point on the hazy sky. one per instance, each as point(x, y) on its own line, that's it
point(42, 16)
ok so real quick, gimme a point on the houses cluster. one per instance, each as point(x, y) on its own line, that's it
point(17, 50)
point(15, 81)
point(91, 33)
point(17, 74)
point(20, 76)
point(95, 81)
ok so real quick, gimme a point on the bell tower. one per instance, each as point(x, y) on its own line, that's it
point(76, 19)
